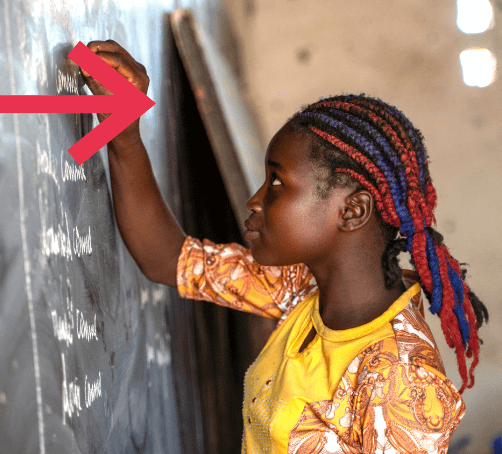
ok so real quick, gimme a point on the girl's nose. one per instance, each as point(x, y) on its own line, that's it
point(254, 204)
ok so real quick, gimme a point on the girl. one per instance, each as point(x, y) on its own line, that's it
point(352, 366)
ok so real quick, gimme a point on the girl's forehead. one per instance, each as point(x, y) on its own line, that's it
point(288, 148)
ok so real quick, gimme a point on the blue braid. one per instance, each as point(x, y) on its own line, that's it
point(407, 227)
point(380, 140)
point(437, 289)
point(366, 145)
point(458, 291)
point(415, 140)
point(456, 283)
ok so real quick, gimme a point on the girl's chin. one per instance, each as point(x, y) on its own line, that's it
point(260, 256)
point(264, 258)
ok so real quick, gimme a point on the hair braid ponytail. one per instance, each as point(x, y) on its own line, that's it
point(376, 145)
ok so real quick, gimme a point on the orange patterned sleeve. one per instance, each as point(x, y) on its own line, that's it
point(227, 274)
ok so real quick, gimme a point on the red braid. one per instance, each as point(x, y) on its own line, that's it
point(458, 323)
point(449, 322)
point(386, 197)
point(473, 332)
point(378, 198)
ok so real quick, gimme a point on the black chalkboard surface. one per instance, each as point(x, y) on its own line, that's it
point(84, 343)
point(85, 339)
point(95, 358)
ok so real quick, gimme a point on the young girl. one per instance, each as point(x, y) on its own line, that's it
point(352, 366)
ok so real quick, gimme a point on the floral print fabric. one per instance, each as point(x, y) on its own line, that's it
point(392, 398)
point(227, 274)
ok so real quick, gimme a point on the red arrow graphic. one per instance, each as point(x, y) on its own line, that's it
point(126, 104)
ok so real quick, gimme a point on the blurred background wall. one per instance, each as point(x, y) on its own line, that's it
point(291, 52)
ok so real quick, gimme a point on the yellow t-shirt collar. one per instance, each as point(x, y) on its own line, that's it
point(363, 330)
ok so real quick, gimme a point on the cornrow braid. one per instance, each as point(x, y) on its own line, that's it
point(367, 142)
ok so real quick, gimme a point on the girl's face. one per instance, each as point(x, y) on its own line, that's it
point(289, 223)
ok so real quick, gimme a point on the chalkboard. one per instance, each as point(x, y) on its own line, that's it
point(94, 357)
point(85, 339)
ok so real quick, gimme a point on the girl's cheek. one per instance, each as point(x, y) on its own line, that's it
point(308, 202)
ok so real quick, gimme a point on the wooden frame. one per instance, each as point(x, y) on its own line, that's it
point(231, 132)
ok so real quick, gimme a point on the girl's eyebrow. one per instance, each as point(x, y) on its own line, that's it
point(274, 164)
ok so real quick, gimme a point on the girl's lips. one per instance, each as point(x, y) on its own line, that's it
point(251, 235)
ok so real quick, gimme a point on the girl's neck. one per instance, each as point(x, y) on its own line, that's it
point(353, 293)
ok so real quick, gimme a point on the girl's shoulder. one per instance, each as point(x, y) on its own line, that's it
point(411, 346)
point(397, 385)
point(394, 391)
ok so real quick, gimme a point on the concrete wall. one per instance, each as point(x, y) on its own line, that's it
point(293, 52)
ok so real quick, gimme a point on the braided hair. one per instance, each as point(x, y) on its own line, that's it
point(364, 141)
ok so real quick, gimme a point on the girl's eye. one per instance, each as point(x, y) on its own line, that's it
point(275, 181)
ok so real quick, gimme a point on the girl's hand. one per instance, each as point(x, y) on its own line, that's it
point(117, 57)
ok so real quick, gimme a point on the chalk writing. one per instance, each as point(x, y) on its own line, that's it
point(72, 322)
point(58, 241)
point(144, 297)
point(54, 241)
point(66, 82)
point(160, 355)
point(47, 163)
point(71, 395)
point(62, 327)
point(86, 330)
point(71, 172)
point(158, 294)
point(81, 245)
point(92, 390)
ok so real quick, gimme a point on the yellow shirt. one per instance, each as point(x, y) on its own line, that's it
point(376, 388)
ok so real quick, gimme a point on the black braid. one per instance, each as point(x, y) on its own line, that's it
point(390, 261)
point(480, 310)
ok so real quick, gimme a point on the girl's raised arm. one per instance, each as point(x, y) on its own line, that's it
point(147, 225)
point(155, 239)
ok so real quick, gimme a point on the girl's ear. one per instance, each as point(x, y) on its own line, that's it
point(357, 212)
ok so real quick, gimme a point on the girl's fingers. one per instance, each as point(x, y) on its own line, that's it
point(114, 47)
point(123, 63)
point(117, 61)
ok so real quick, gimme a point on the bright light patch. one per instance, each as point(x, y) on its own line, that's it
point(474, 16)
point(478, 67)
